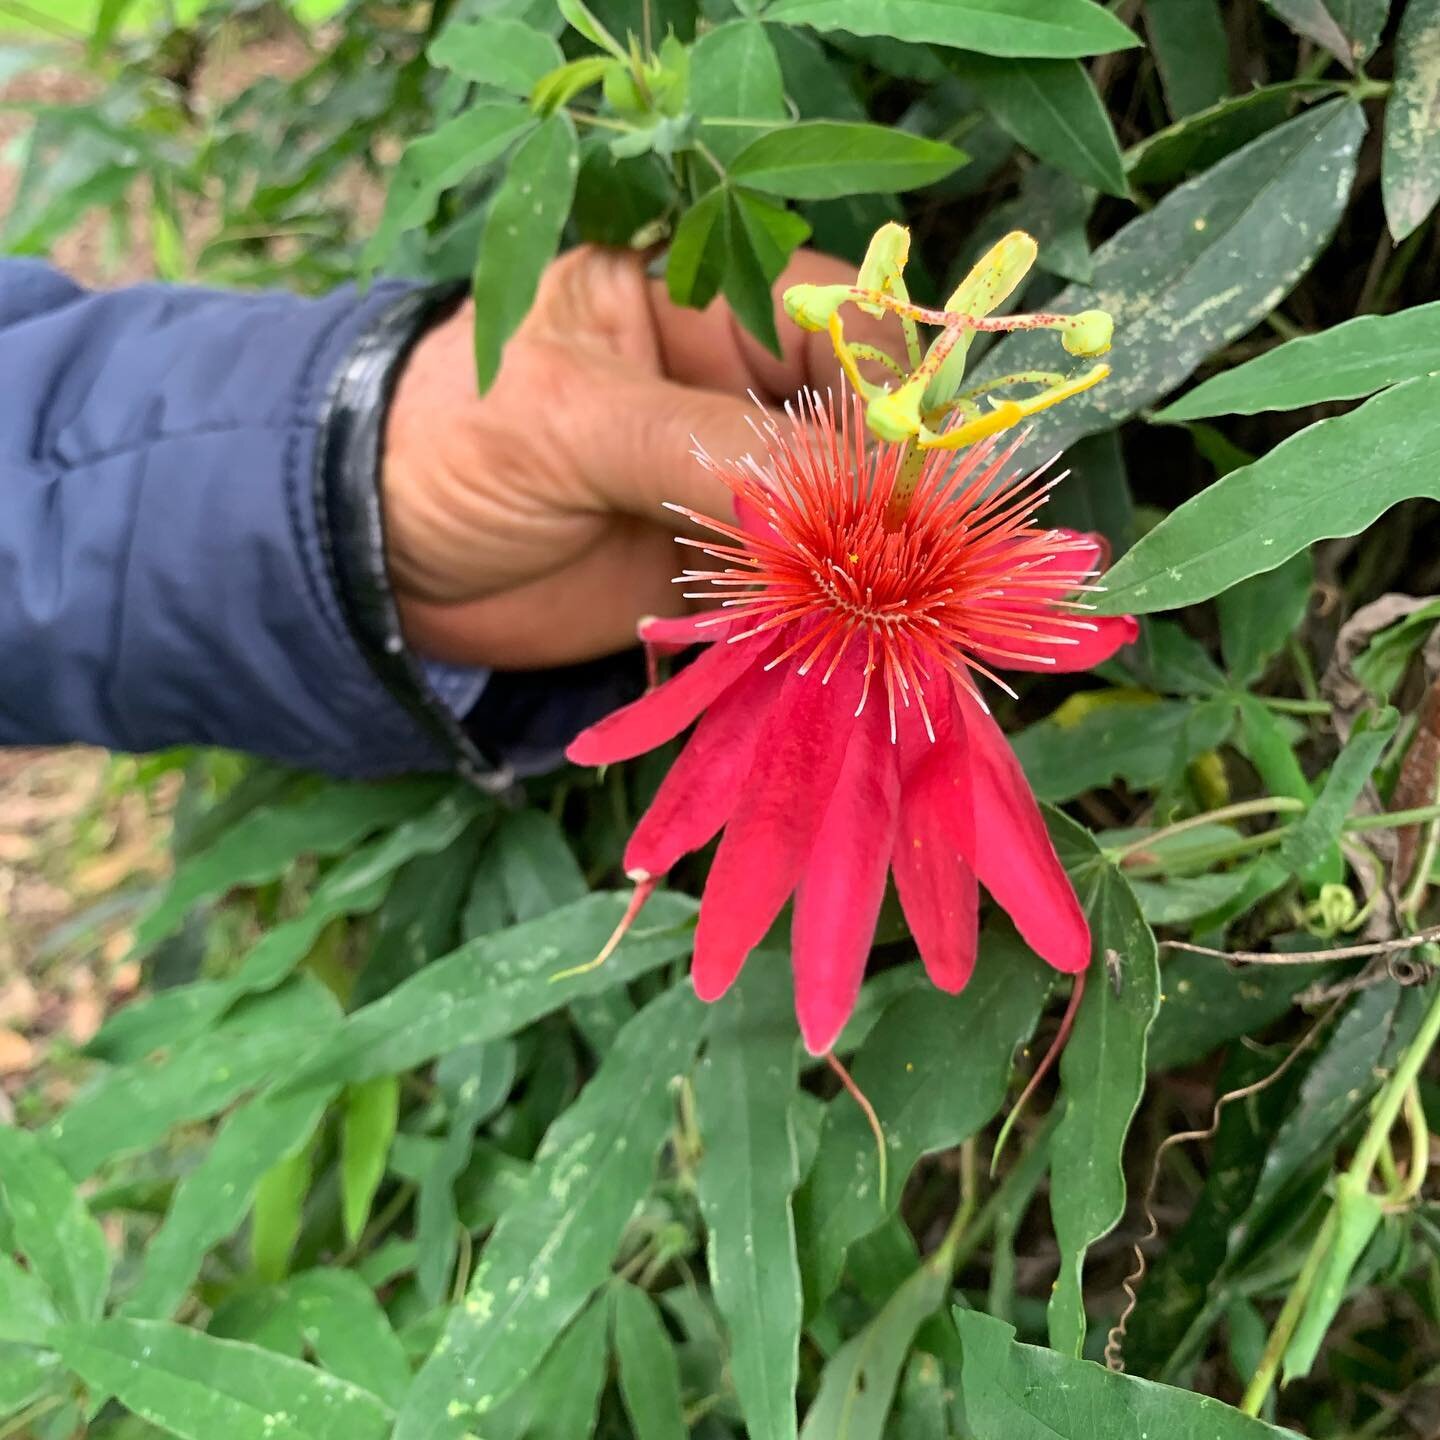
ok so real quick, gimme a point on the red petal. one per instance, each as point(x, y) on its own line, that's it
point(1011, 852)
point(782, 802)
point(698, 795)
point(670, 633)
point(666, 711)
point(840, 891)
point(1072, 649)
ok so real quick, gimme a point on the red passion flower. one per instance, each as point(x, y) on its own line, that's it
point(842, 731)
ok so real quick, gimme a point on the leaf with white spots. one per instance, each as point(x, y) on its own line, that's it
point(1213, 257)
point(744, 1097)
point(1410, 161)
point(554, 1245)
point(1334, 478)
point(521, 236)
point(200, 1388)
point(497, 984)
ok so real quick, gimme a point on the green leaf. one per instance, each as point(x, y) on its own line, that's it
point(649, 1371)
point(1348, 29)
point(1181, 899)
point(569, 1382)
point(1204, 1005)
point(858, 1382)
point(1259, 615)
point(60, 1239)
point(1060, 29)
point(553, 1246)
point(695, 266)
point(1275, 202)
point(1191, 1280)
point(432, 164)
point(760, 238)
point(935, 1068)
point(265, 843)
point(1096, 497)
point(1025, 1393)
point(496, 985)
point(1102, 1074)
point(491, 50)
point(279, 1212)
point(26, 1310)
point(26, 1374)
point(1334, 478)
point(522, 233)
point(1317, 831)
point(485, 1074)
point(735, 75)
point(1345, 362)
point(1051, 108)
point(744, 1094)
point(1410, 161)
point(342, 1322)
point(1357, 1217)
point(831, 159)
point(1381, 666)
point(1188, 40)
point(200, 1388)
point(1143, 743)
point(538, 870)
point(1198, 141)
point(213, 1198)
point(1336, 1089)
point(134, 1105)
point(368, 1118)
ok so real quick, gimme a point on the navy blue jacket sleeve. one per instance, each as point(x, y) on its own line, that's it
point(188, 512)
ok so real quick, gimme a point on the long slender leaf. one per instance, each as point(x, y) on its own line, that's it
point(744, 1095)
point(1410, 161)
point(553, 1246)
point(1102, 1075)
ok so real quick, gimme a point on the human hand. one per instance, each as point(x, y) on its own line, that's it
point(525, 527)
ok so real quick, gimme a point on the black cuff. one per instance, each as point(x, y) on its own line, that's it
point(351, 517)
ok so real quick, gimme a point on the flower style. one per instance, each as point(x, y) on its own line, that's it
point(866, 593)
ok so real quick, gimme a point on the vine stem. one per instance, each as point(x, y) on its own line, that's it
point(1384, 1113)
